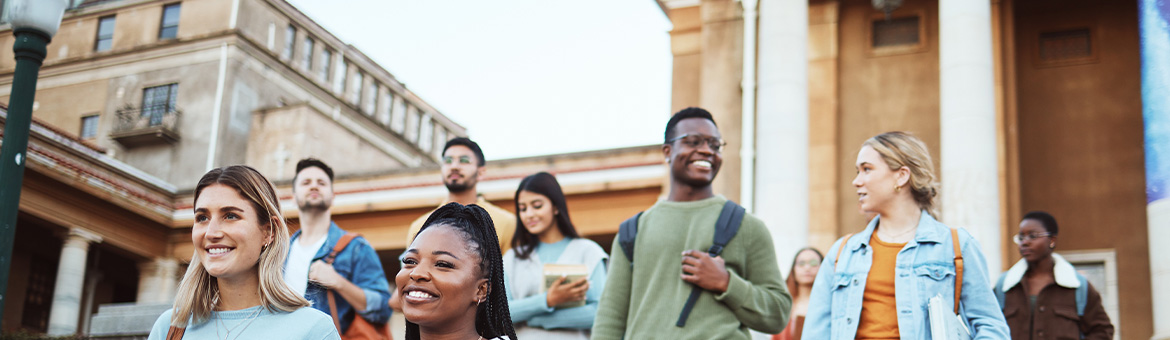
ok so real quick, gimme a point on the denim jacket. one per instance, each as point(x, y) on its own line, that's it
point(925, 267)
point(359, 264)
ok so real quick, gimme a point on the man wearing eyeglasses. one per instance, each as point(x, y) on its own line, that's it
point(462, 166)
point(740, 289)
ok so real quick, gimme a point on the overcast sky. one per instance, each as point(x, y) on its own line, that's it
point(525, 77)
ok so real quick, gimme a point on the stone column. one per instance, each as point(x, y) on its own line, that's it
point(66, 308)
point(1154, 20)
point(158, 280)
point(969, 159)
point(782, 125)
point(720, 74)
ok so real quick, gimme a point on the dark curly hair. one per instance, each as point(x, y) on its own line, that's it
point(492, 318)
point(545, 184)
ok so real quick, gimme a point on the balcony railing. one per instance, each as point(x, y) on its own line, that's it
point(153, 125)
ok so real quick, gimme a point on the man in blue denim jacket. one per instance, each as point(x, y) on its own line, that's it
point(925, 268)
point(356, 275)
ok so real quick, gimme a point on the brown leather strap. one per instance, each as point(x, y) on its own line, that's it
point(958, 267)
point(341, 244)
point(176, 333)
point(839, 249)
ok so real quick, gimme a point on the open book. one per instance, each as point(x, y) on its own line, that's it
point(945, 324)
point(571, 272)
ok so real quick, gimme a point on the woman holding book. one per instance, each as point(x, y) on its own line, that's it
point(799, 282)
point(886, 281)
point(554, 277)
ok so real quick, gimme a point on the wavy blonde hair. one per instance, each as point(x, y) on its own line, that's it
point(198, 292)
point(901, 149)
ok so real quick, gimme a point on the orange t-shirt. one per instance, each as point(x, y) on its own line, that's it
point(879, 309)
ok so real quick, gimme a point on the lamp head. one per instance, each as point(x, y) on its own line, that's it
point(41, 15)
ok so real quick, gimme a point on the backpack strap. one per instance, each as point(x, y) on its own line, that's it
point(626, 235)
point(841, 247)
point(730, 218)
point(958, 268)
point(341, 244)
point(1082, 295)
point(176, 333)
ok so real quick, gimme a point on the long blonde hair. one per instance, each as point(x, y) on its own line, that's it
point(900, 149)
point(198, 292)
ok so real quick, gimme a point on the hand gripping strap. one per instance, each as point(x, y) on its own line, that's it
point(341, 244)
point(958, 268)
point(730, 218)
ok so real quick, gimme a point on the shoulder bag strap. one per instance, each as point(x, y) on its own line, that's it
point(730, 218)
point(841, 247)
point(176, 333)
point(958, 268)
point(341, 244)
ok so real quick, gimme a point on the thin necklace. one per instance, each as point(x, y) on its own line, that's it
point(219, 319)
point(891, 237)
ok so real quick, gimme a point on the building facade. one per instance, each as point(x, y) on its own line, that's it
point(1025, 105)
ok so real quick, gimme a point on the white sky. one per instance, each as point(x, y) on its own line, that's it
point(525, 77)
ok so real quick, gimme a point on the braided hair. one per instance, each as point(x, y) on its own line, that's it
point(492, 318)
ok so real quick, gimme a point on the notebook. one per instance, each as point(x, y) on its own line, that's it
point(572, 273)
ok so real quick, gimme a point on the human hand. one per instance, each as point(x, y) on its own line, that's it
point(700, 269)
point(323, 274)
point(562, 291)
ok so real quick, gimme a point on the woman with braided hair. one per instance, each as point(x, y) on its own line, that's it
point(452, 278)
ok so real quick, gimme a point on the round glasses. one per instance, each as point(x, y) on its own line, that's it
point(1021, 238)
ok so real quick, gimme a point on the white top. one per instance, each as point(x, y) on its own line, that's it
point(254, 323)
point(296, 269)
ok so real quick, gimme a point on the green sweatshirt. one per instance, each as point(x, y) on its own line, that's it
point(645, 303)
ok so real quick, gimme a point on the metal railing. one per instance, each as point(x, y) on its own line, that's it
point(131, 118)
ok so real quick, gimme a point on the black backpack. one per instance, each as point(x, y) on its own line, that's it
point(726, 227)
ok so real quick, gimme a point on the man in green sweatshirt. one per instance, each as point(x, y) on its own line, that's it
point(742, 288)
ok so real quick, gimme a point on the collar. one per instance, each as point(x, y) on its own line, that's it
point(1065, 273)
point(928, 230)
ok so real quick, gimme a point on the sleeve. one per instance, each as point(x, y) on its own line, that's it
point(369, 275)
point(818, 319)
point(759, 299)
point(978, 302)
point(525, 308)
point(614, 305)
point(576, 317)
point(1095, 324)
point(161, 326)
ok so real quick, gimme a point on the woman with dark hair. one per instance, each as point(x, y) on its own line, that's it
point(879, 283)
point(452, 278)
point(1043, 296)
point(233, 287)
point(545, 236)
point(800, 281)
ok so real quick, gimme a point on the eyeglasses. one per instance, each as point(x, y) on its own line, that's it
point(716, 144)
point(1021, 237)
point(808, 263)
point(451, 160)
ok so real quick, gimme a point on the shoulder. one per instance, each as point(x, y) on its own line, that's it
point(499, 215)
point(589, 247)
point(317, 322)
point(162, 324)
point(753, 225)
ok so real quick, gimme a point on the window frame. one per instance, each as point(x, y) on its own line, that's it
point(290, 42)
point(96, 119)
point(163, 27)
point(97, 43)
point(170, 105)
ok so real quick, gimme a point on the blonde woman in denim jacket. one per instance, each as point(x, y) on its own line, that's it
point(887, 273)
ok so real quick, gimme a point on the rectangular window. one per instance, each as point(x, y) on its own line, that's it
point(89, 125)
point(307, 54)
point(326, 61)
point(290, 39)
point(425, 133)
point(105, 34)
point(384, 110)
point(339, 79)
point(896, 32)
point(356, 96)
point(158, 101)
point(170, 22)
point(370, 99)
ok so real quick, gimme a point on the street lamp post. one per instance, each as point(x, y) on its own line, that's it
point(34, 22)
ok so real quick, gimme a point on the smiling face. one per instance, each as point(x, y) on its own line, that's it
point(313, 190)
point(695, 166)
point(807, 265)
point(1035, 248)
point(875, 181)
point(440, 281)
point(460, 169)
point(227, 234)
point(538, 213)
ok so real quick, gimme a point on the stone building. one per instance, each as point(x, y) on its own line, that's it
point(1025, 105)
point(138, 98)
